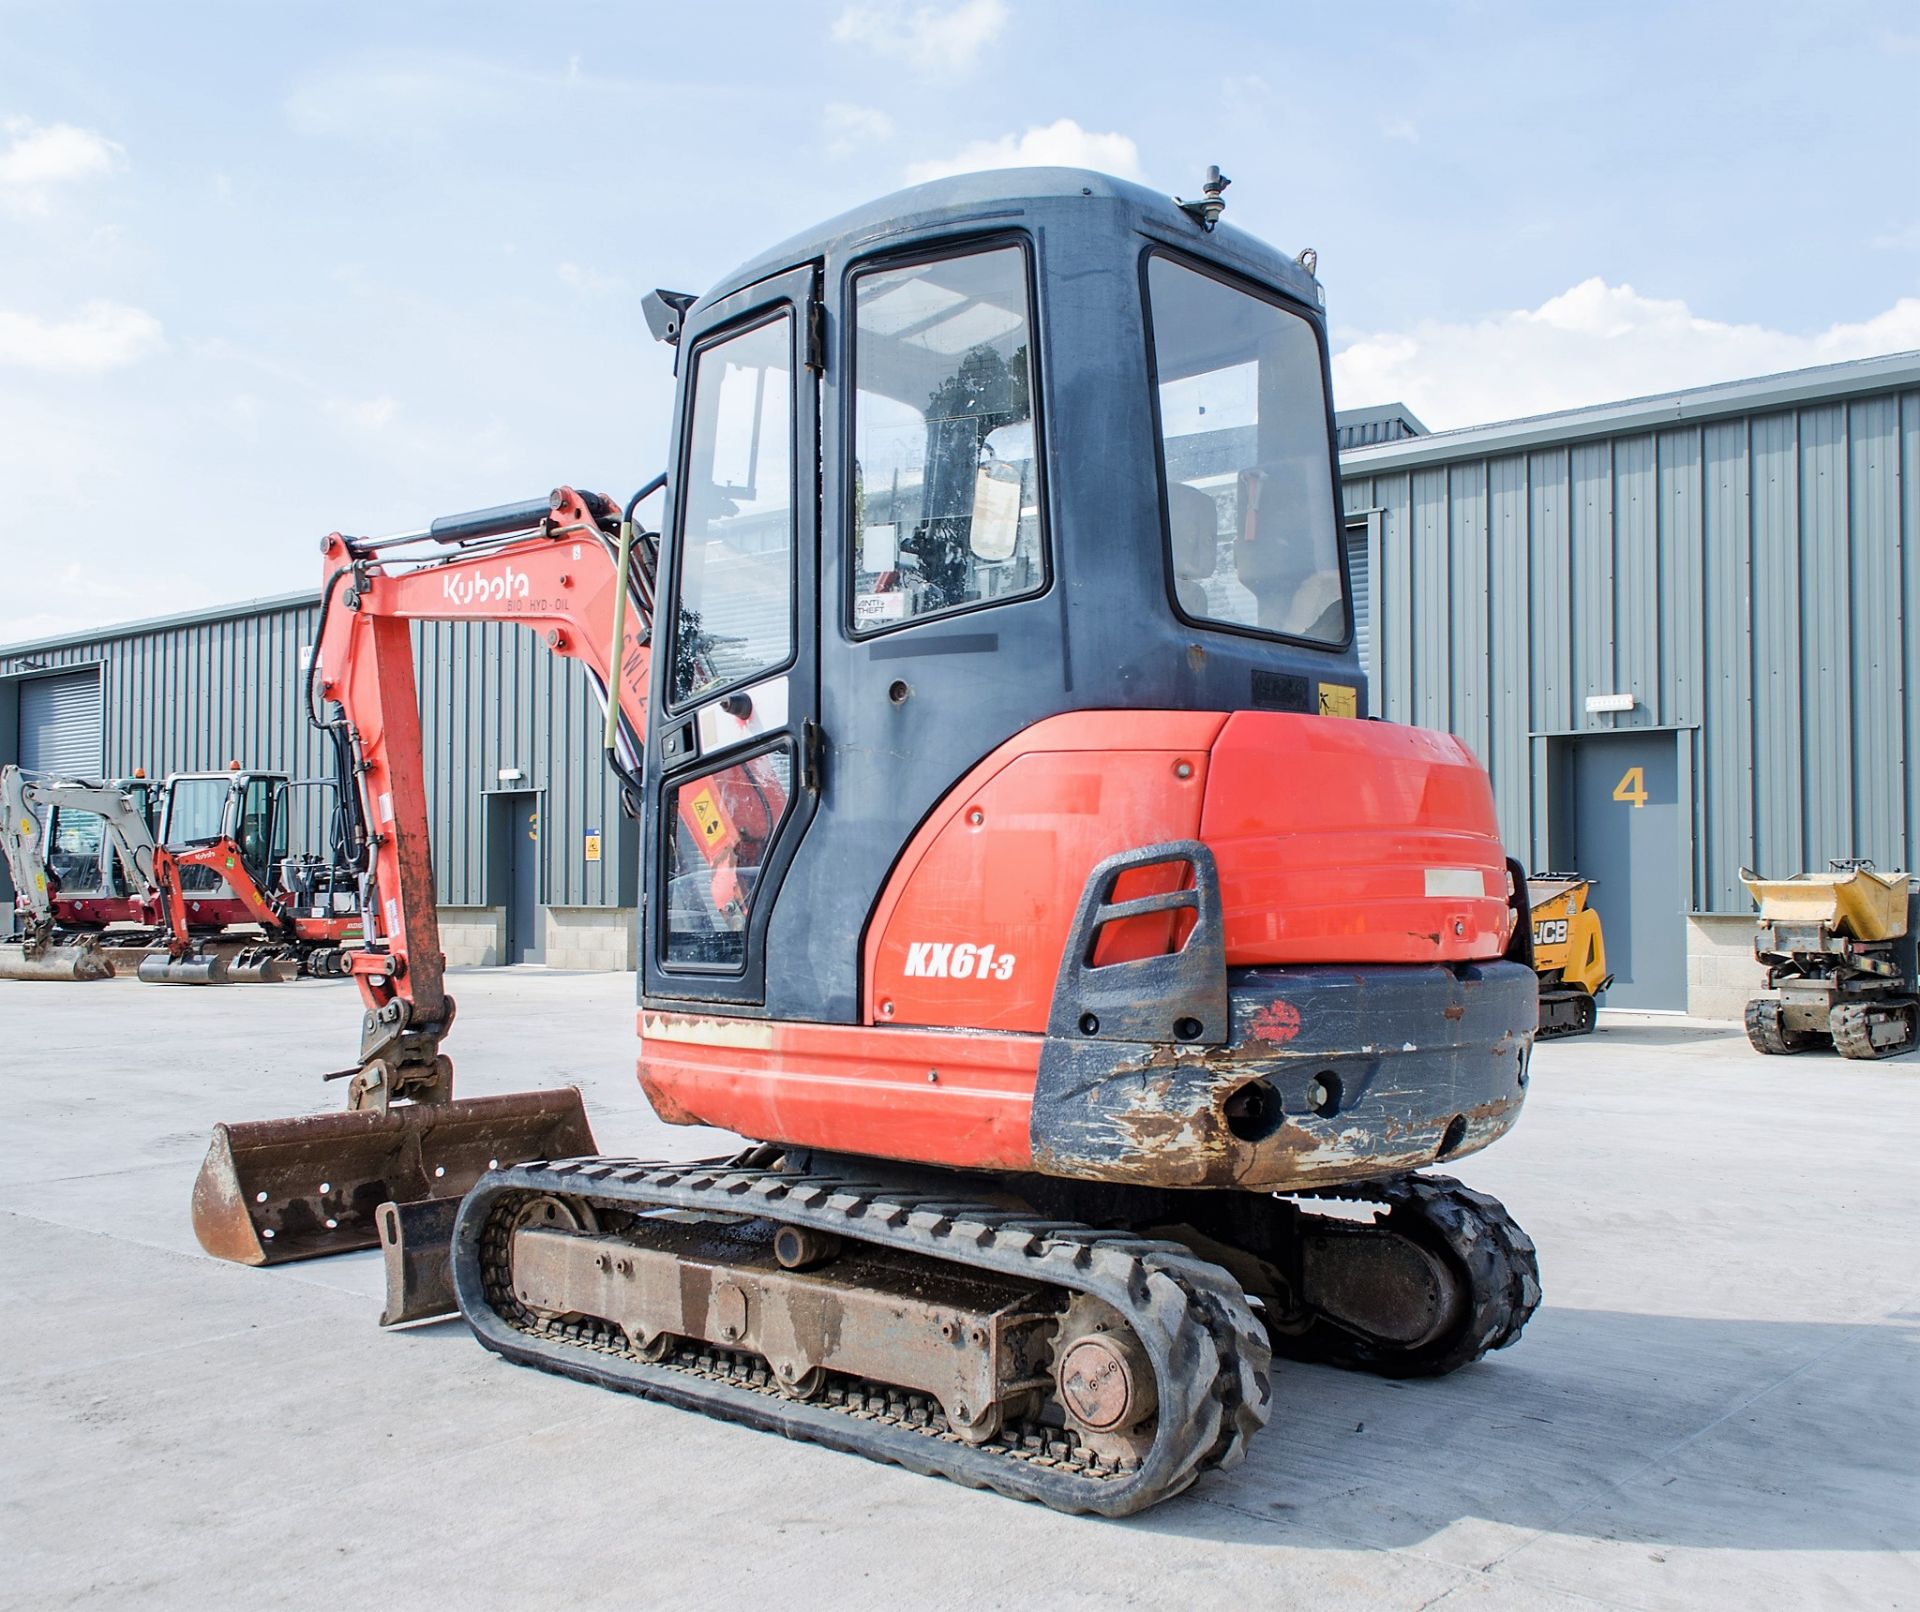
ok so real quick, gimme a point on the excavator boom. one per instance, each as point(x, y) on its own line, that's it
point(570, 569)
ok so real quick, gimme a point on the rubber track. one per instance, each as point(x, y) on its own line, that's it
point(1485, 1243)
point(1210, 1354)
point(1851, 1027)
point(1767, 1030)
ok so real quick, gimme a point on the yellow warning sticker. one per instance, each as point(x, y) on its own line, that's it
point(1339, 699)
point(593, 847)
point(707, 813)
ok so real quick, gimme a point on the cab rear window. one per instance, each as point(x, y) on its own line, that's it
point(1251, 532)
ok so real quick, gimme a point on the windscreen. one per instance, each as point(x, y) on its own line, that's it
point(196, 810)
point(1250, 522)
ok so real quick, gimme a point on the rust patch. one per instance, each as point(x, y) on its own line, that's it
point(1455, 1013)
point(669, 1111)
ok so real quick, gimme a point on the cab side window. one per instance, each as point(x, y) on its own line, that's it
point(946, 490)
point(733, 617)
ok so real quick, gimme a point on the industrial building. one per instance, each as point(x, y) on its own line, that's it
point(1678, 630)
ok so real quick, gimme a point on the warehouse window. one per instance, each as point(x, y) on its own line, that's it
point(1243, 439)
point(946, 492)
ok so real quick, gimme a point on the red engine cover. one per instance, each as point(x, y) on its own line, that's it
point(1337, 842)
point(1353, 842)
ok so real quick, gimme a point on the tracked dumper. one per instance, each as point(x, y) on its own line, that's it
point(1022, 874)
point(1569, 953)
point(1839, 949)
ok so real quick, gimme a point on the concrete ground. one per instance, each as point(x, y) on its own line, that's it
point(1718, 1404)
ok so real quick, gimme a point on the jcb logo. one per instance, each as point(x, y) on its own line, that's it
point(1550, 932)
point(944, 960)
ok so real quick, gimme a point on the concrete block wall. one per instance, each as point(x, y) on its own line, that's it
point(474, 937)
point(1721, 970)
point(596, 939)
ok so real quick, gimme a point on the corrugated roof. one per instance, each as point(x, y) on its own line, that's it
point(1893, 372)
point(180, 618)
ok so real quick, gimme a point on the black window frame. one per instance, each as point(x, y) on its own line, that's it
point(941, 251)
point(1289, 305)
point(757, 319)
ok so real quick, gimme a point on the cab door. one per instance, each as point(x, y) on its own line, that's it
point(732, 763)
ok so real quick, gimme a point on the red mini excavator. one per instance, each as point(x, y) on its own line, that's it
point(202, 885)
point(1023, 873)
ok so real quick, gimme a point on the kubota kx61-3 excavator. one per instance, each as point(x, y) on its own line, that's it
point(1023, 873)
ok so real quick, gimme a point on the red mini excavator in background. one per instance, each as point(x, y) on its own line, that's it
point(203, 879)
point(1022, 874)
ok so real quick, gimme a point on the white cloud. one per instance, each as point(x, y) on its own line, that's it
point(588, 282)
point(1405, 130)
point(927, 36)
point(105, 335)
point(367, 414)
point(1062, 144)
point(849, 127)
point(1595, 343)
point(37, 159)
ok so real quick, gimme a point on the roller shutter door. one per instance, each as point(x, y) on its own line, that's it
point(60, 724)
point(1362, 593)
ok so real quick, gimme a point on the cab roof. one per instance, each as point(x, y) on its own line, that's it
point(1035, 197)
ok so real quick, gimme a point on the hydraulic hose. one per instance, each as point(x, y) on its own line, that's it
point(616, 656)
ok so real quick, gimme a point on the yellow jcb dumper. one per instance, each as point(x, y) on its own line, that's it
point(1569, 953)
point(1839, 947)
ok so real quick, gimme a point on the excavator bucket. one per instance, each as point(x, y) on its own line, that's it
point(275, 1190)
point(54, 963)
point(201, 968)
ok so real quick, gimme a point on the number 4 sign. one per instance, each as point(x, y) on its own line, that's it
point(1632, 787)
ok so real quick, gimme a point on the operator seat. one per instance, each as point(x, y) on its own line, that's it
point(1194, 521)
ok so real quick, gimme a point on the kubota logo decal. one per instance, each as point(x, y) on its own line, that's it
point(944, 960)
point(464, 590)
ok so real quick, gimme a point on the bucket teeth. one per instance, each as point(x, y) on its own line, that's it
point(275, 1190)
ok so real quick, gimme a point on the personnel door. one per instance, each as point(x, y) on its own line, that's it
point(1626, 837)
point(731, 771)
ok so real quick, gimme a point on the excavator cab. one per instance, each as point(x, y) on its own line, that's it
point(1022, 875)
point(80, 857)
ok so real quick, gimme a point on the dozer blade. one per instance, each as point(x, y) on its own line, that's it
point(416, 1241)
point(203, 968)
point(54, 963)
point(275, 1190)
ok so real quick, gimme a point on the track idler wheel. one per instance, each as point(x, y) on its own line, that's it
point(1486, 1283)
